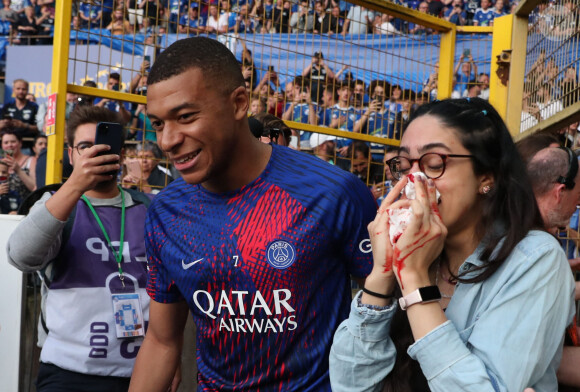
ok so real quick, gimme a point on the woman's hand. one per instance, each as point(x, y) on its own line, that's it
point(382, 279)
point(4, 188)
point(12, 163)
point(422, 241)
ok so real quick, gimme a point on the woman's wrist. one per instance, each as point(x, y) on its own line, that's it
point(411, 280)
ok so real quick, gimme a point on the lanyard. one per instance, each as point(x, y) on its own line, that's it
point(118, 255)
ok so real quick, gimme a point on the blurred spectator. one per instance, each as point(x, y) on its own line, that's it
point(191, 22)
point(473, 89)
point(39, 145)
point(386, 26)
point(301, 109)
point(143, 171)
point(343, 115)
point(373, 120)
point(274, 130)
point(22, 167)
point(318, 72)
point(7, 13)
point(483, 80)
point(467, 74)
point(114, 84)
point(134, 12)
point(420, 29)
point(90, 14)
point(380, 190)
point(270, 81)
point(141, 128)
point(9, 199)
point(176, 10)
point(257, 106)
point(152, 9)
point(546, 103)
point(323, 146)
point(217, 23)
point(530, 112)
point(568, 87)
point(435, 7)
point(20, 114)
point(362, 165)
point(248, 69)
point(18, 6)
point(324, 23)
point(456, 14)
point(26, 28)
point(245, 24)
point(335, 13)
point(281, 17)
point(498, 9)
point(265, 10)
point(358, 20)
point(358, 94)
point(119, 25)
point(484, 15)
point(328, 100)
point(303, 20)
point(430, 85)
point(45, 25)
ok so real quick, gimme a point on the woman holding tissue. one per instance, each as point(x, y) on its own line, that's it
point(472, 296)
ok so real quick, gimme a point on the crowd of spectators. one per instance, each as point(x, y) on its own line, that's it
point(32, 21)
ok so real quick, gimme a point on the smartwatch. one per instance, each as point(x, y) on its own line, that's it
point(420, 296)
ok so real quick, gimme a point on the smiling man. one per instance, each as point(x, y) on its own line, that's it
point(257, 240)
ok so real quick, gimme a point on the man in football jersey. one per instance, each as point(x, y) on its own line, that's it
point(256, 240)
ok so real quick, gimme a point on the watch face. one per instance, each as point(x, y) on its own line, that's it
point(430, 293)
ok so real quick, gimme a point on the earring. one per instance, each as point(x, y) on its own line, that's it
point(485, 189)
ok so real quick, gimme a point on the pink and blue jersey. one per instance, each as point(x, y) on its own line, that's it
point(264, 269)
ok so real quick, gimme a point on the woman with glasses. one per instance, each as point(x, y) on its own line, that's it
point(473, 296)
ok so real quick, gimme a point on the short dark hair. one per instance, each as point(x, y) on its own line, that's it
point(215, 61)
point(272, 122)
point(89, 115)
point(530, 145)
point(11, 132)
point(115, 76)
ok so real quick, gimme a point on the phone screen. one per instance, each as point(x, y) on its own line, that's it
point(466, 52)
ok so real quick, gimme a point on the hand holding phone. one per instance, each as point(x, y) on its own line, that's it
point(110, 134)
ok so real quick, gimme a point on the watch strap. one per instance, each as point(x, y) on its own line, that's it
point(421, 295)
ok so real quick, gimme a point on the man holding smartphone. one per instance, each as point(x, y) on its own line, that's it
point(257, 240)
point(87, 241)
point(114, 84)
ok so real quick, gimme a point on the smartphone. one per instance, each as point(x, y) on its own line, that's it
point(110, 134)
point(466, 52)
point(115, 87)
point(270, 68)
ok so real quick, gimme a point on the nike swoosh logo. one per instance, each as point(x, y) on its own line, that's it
point(189, 265)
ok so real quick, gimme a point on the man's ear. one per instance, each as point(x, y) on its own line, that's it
point(70, 154)
point(241, 102)
point(558, 192)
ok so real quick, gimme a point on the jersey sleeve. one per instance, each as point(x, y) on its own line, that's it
point(360, 209)
point(160, 286)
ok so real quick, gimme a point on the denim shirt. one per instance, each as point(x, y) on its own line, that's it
point(503, 334)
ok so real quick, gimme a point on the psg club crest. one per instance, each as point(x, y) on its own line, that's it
point(281, 254)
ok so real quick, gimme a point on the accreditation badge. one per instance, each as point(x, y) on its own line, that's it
point(128, 315)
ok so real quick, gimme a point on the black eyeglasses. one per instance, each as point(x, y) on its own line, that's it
point(568, 179)
point(432, 164)
point(82, 146)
